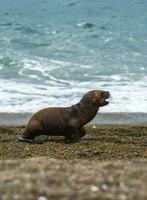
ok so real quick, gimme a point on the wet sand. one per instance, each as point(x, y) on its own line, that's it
point(110, 162)
point(17, 119)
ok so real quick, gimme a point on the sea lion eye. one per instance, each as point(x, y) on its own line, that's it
point(103, 94)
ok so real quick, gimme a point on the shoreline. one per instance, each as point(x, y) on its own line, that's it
point(21, 119)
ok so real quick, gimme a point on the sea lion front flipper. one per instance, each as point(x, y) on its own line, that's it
point(22, 139)
point(82, 132)
point(72, 136)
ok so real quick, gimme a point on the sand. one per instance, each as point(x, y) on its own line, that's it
point(110, 162)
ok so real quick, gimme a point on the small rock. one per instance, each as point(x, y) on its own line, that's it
point(28, 154)
point(84, 153)
point(123, 197)
point(104, 187)
point(42, 198)
point(94, 188)
point(16, 196)
point(96, 153)
point(94, 127)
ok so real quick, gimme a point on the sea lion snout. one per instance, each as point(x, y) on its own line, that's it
point(96, 98)
point(105, 95)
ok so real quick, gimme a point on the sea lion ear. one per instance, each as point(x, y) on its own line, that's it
point(86, 99)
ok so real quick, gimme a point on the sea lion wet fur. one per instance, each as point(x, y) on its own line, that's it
point(65, 121)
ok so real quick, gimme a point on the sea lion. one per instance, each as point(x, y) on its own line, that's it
point(65, 121)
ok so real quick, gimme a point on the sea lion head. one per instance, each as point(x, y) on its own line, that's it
point(96, 98)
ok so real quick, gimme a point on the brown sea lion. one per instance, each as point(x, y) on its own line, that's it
point(65, 121)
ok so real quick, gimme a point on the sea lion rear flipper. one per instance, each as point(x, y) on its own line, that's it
point(22, 139)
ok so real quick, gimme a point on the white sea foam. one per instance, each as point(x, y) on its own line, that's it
point(51, 90)
point(116, 77)
point(107, 39)
point(22, 97)
point(44, 67)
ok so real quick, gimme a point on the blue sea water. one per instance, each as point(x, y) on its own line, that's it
point(53, 51)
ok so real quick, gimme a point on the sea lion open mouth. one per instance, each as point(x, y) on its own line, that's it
point(106, 96)
point(106, 102)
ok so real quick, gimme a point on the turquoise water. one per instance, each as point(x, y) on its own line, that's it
point(53, 51)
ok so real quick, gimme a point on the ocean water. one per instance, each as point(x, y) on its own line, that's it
point(53, 51)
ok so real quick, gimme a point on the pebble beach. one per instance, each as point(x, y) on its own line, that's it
point(110, 162)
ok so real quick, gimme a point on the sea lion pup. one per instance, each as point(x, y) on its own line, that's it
point(65, 121)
